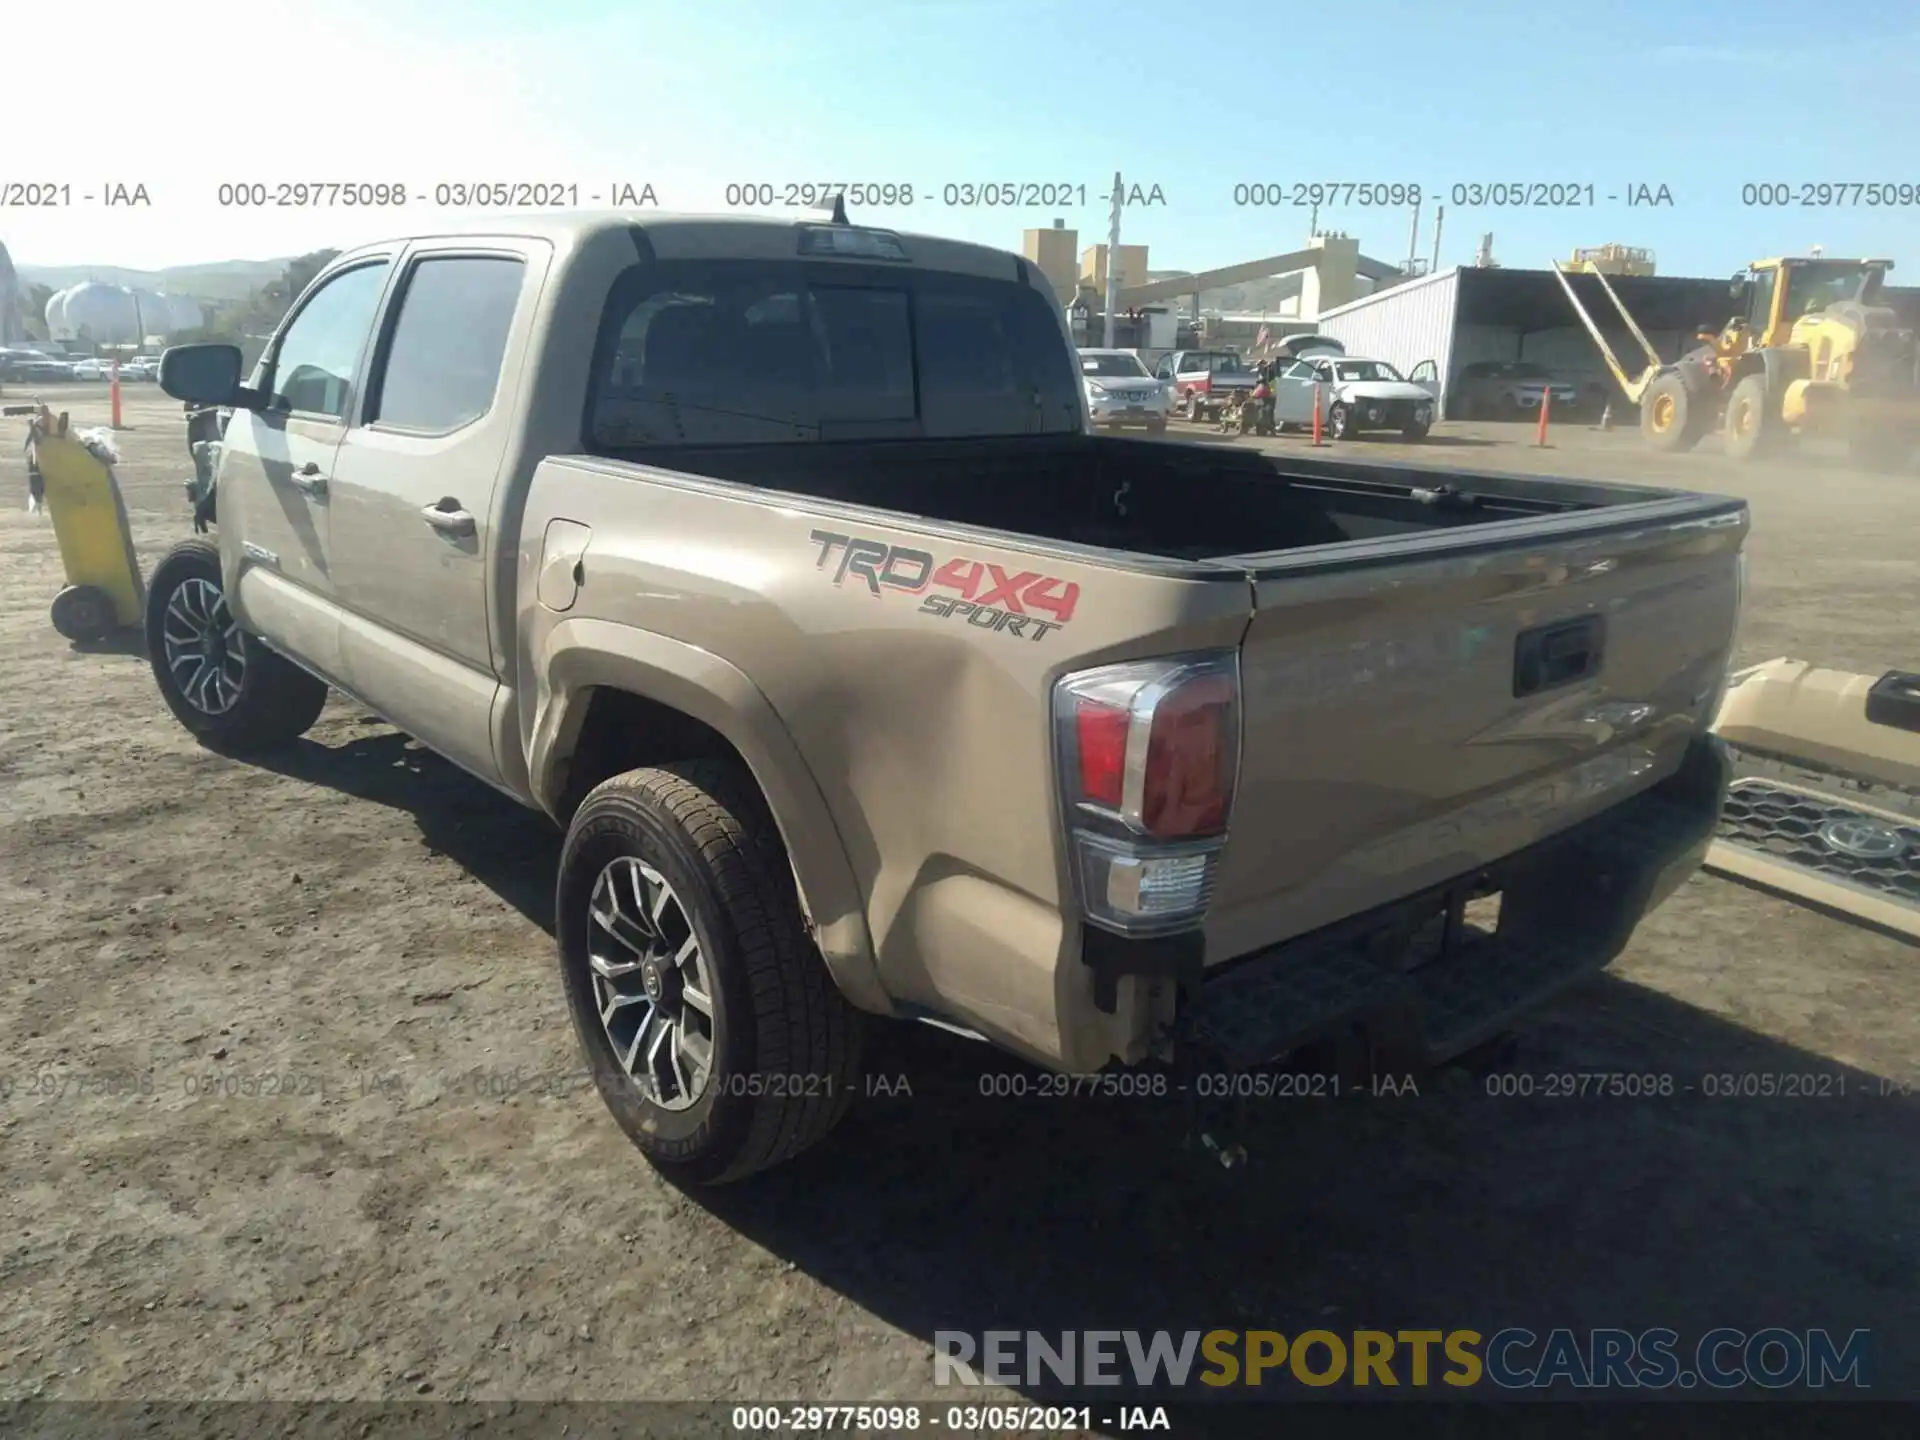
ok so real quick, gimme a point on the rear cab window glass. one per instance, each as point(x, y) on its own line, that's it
point(746, 352)
point(442, 359)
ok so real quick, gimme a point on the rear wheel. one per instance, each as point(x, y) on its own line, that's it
point(1752, 427)
point(1671, 417)
point(224, 685)
point(707, 1017)
point(1195, 410)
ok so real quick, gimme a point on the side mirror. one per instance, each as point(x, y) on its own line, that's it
point(202, 374)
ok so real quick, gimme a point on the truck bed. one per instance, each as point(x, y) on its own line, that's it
point(1176, 502)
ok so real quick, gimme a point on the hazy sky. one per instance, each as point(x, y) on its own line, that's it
point(1702, 98)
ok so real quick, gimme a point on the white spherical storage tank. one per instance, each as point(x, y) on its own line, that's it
point(56, 316)
point(101, 313)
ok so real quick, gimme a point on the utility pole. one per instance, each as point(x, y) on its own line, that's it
point(1113, 255)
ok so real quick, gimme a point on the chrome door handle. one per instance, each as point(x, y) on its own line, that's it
point(448, 521)
point(308, 480)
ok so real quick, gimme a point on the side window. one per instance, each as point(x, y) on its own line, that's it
point(319, 354)
point(442, 362)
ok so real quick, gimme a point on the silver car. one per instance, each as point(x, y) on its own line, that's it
point(1122, 392)
point(1508, 390)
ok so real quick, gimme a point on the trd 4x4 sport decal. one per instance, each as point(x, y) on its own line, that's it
point(983, 594)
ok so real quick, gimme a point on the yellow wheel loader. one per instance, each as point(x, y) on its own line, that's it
point(1816, 353)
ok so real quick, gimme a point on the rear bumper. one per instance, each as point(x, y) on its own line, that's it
point(1568, 907)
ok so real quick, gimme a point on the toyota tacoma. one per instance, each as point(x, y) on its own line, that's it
point(777, 563)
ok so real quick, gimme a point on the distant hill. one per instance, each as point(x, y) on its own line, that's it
point(217, 280)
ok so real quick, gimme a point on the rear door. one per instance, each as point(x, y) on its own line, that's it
point(1396, 734)
point(415, 484)
point(276, 469)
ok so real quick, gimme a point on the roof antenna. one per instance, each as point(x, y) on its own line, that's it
point(836, 208)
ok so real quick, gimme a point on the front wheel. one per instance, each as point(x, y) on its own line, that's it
point(1414, 431)
point(1194, 408)
point(1340, 422)
point(1671, 418)
point(706, 1016)
point(1752, 429)
point(224, 685)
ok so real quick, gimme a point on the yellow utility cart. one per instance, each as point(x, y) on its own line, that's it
point(104, 591)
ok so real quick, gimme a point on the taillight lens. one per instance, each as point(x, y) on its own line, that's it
point(1148, 753)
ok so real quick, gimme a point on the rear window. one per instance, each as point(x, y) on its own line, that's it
point(743, 352)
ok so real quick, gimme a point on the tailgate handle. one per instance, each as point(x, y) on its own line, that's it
point(1550, 656)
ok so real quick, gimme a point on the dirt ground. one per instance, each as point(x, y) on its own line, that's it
point(291, 1108)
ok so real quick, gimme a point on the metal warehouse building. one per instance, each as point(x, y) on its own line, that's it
point(1469, 313)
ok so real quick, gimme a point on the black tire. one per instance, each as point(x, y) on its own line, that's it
point(1156, 427)
point(273, 701)
point(1671, 417)
point(1415, 431)
point(1340, 423)
point(1753, 430)
point(786, 1045)
point(84, 614)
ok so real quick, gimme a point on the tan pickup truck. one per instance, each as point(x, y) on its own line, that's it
point(775, 561)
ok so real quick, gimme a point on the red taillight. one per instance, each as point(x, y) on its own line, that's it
point(1189, 773)
point(1155, 745)
point(1101, 736)
point(1147, 751)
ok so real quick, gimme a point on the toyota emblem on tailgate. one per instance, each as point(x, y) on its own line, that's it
point(1863, 839)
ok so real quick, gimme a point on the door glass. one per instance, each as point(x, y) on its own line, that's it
point(443, 363)
point(319, 353)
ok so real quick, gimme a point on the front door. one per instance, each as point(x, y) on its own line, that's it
point(415, 486)
point(1427, 376)
point(276, 467)
point(1293, 393)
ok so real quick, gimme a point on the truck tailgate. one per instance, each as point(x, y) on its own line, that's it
point(1418, 706)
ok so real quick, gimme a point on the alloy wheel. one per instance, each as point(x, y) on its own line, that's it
point(205, 654)
point(652, 986)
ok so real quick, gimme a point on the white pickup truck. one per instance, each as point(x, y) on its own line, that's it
point(776, 562)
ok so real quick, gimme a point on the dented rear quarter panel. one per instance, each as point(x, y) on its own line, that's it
point(924, 731)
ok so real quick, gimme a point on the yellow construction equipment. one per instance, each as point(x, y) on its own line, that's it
point(1815, 353)
point(104, 590)
point(1613, 259)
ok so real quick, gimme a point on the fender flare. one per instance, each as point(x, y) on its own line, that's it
point(581, 655)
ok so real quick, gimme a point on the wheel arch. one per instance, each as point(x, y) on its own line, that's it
point(1781, 365)
point(617, 698)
